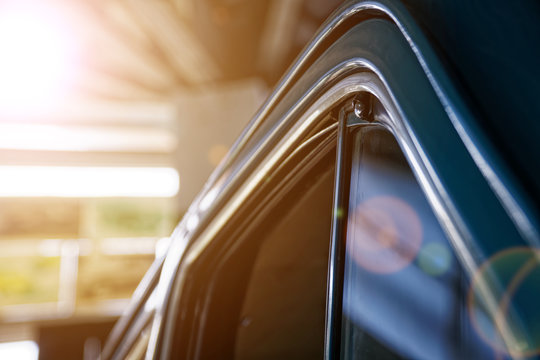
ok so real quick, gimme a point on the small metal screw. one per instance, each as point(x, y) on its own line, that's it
point(360, 108)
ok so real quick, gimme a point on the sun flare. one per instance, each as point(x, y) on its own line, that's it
point(37, 58)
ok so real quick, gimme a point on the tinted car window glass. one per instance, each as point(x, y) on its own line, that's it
point(404, 290)
point(283, 312)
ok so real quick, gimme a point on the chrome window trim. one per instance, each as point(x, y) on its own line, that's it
point(129, 340)
point(334, 285)
point(135, 309)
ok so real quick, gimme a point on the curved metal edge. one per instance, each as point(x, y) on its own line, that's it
point(140, 296)
point(176, 250)
point(140, 323)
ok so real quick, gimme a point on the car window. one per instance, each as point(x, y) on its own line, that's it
point(259, 289)
point(283, 311)
point(404, 293)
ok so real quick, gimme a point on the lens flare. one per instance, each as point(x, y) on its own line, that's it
point(503, 302)
point(434, 258)
point(387, 234)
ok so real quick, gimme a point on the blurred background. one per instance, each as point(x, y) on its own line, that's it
point(113, 113)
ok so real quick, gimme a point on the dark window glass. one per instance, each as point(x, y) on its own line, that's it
point(283, 311)
point(404, 290)
point(258, 291)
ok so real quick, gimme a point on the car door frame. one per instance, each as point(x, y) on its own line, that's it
point(372, 47)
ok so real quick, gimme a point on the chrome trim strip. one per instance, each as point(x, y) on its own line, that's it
point(339, 215)
point(318, 137)
point(130, 339)
point(165, 284)
point(139, 298)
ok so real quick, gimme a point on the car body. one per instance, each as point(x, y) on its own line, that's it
point(366, 211)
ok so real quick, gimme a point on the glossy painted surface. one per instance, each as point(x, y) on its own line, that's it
point(491, 50)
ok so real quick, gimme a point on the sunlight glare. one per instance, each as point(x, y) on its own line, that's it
point(76, 181)
point(37, 58)
point(22, 350)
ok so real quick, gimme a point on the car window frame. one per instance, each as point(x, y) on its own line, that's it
point(136, 317)
point(335, 70)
